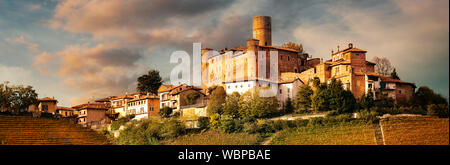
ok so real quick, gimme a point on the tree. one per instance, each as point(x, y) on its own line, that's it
point(425, 96)
point(17, 98)
point(367, 101)
point(231, 106)
point(216, 101)
point(340, 100)
point(303, 98)
point(383, 66)
point(320, 99)
point(165, 112)
point(394, 75)
point(288, 106)
point(149, 82)
point(211, 89)
point(292, 45)
point(191, 98)
point(251, 105)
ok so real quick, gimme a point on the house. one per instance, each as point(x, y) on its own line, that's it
point(143, 105)
point(400, 91)
point(45, 104)
point(65, 111)
point(175, 96)
point(91, 114)
point(119, 104)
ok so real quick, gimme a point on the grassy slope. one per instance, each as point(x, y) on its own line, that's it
point(345, 134)
point(215, 138)
point(416, 131)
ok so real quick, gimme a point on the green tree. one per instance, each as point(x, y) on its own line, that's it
point(367, 101)
point(303, 98)
point(288, 106)
point(149, 82)
point(217, 101)
point(425, 96)
point(340, 100)
point(165, 112)
point(394, 74)
point(440, 110)
point(231, 106)
point(191, 98)
point(252, 105)
point(245, 104)
point(320, 98)
point(21, 97)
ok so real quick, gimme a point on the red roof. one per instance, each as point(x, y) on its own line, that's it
point(46, 99)
point(391, 80)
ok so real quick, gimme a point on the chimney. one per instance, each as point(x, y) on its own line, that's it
point(338, 48)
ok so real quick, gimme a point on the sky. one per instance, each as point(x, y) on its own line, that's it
point(80, 50)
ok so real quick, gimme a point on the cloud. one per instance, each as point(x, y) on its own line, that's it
point(21, 40)
point(34, 7)
point(99, 71)
point(15, 75)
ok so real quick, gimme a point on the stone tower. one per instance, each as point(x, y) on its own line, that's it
point(262, 30)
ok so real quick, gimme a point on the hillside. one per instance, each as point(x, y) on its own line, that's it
point(416, 131)
point(25, 130)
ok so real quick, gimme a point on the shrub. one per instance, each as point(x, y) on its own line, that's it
point(440, 110)
point(230, 126)
point(368, 115)
point(191, 98)
point(265, 126)
point(203, 122)
point(115, 125)
point(165, 112)
point(315, 121)
point(214, 120)
point(250, 127)
point(171, 128)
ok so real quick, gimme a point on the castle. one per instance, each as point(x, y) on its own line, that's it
point(243, 68)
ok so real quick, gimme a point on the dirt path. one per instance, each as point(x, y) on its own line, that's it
point(300, 116)
point(266, 141)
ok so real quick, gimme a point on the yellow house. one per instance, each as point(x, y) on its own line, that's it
point(45, 104)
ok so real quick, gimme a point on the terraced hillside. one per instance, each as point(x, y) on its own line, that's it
point(24, 130)
point(421, 130)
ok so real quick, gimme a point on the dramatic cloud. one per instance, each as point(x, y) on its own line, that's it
point(103, 70)
point(21, 40)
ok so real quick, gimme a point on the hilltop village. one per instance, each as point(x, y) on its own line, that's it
point(295, 67)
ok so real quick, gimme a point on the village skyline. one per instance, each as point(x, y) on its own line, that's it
point(76, 59)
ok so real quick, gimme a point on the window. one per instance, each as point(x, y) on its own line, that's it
point(281, 91)
point(288, 90)
point(289, 58)
point(281, 57)
point(45, 108)
point(400, 91)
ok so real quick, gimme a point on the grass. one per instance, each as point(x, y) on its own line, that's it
point(416, 131)
point(213, 137)
point(338, 134)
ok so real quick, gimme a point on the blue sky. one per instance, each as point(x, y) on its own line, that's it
point(79, 50)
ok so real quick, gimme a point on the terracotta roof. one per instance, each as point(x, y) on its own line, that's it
point(122, 97)
point(164, 88)
point(97, 106)
point(184, 89)
point(107, 99)
point(391, 80)
point(367, 73)
point(64, 108)
point(46, 99)
point(350, 50)
point(288, 77)
point(280, 48)
point(143, 97)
